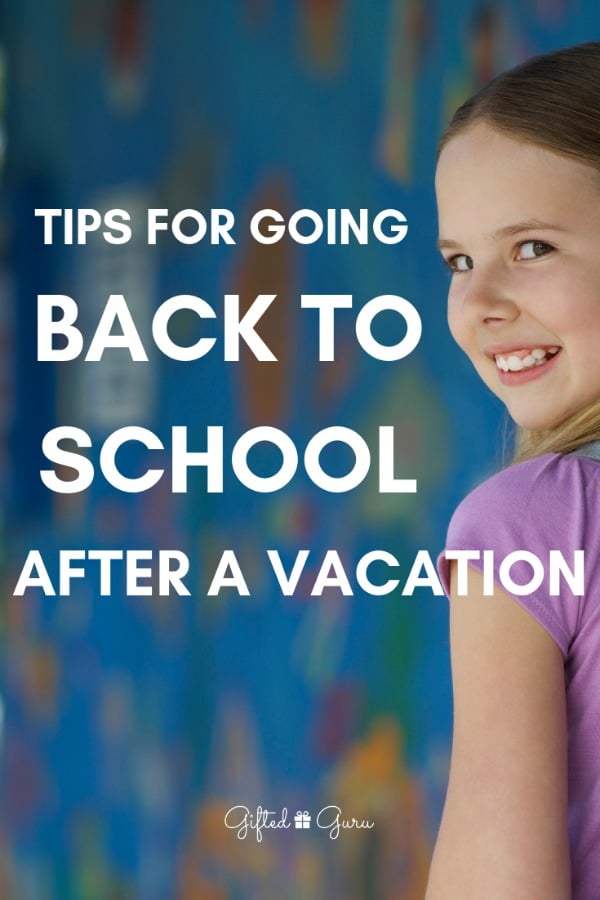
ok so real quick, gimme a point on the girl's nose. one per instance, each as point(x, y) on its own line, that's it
point(488, 295)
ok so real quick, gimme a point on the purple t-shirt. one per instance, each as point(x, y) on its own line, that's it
point(553, 502)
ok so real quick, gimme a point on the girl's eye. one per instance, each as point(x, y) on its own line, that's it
point(460, 263)
point(533, 249)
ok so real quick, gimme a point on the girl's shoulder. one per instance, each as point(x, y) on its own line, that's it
point(547, 504)
point(538, 487)
point(549, 501)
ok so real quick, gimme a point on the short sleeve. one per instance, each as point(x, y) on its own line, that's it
point(546, 504)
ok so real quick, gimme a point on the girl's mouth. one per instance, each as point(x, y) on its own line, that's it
point(520, 360)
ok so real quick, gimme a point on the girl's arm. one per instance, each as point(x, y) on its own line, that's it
point(503, 834)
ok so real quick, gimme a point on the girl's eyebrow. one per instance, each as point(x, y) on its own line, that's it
point(509, 231)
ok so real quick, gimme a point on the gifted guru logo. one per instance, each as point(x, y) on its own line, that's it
point(330, 819)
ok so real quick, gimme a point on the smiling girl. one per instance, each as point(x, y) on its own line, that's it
point(518, 187)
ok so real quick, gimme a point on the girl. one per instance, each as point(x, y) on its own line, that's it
point(518, 187)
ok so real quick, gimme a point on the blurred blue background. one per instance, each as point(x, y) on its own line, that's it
point(130, 725)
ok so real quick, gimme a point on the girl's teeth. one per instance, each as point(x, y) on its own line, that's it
point(536, 357)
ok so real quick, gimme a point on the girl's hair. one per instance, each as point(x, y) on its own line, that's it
point(553, 101)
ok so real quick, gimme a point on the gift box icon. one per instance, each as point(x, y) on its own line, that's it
point(302, 819)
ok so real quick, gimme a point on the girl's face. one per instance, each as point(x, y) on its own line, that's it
point(520, 231)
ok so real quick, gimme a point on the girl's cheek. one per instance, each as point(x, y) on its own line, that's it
point(456, 322)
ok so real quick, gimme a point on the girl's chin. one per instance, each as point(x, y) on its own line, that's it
point(533, 422)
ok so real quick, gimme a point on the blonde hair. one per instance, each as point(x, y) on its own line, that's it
point(574, 432)
point(553, 101)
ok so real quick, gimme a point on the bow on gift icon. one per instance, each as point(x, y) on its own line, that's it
point(302, 819)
